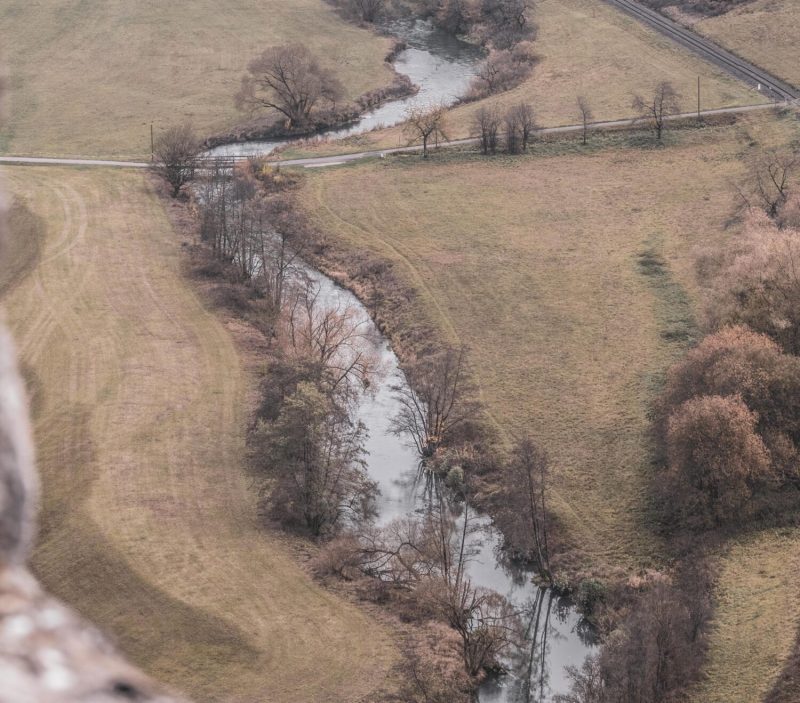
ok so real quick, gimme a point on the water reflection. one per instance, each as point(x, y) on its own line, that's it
point(556, 636)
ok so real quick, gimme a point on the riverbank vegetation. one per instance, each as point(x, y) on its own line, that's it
point(306, 444)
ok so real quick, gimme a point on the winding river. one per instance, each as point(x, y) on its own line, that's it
point(557, 636)
point(441, 65)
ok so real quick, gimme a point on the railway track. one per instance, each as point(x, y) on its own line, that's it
point(773, 87)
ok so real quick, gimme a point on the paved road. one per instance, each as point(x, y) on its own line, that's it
point(773, 87)
point(323, 161)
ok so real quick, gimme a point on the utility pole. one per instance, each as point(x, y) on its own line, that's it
point(152, 144)
point(698, 97)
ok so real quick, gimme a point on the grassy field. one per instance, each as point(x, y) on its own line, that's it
point(758, 610)
point(88, 77)
point(19, 254)
point(766, 32)
point(587, 47)
point(542, 275)
point(149, 523)
point(574, 295)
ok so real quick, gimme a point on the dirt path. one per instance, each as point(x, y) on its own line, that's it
point(148, 520)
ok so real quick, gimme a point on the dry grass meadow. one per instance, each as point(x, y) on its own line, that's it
point(757, 616)
point(766, 32)
point(588, 47)
point(87, 77)
point(570, 275)
point(149, 523)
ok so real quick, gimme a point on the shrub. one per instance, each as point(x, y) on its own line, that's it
point(341, 557)
point(591, 593)
point(761, 285)
point(716, 460)
point(503, 69)
point(738, 361)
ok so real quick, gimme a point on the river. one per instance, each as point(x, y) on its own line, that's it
point(558, 637)
point(441, 65)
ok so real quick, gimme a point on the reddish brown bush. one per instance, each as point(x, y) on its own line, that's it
point(760, 286)
point(716, 459)
point(738, 361)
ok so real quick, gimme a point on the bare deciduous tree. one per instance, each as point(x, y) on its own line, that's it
point(290, 80)
point(368, 10)
point(716, 459)
point(523, 514)
point(502, 70)
point(735, 361)
point(487, 125)
point(425, 124)
point(456, 16)
point(333, 336)
point(484, 620)
point(520, 125)
point(261, 236)
point(175, 151)
point(664, 102)
point(761, 285)
point(436, 401)
point(771, 176)
point(587, 683)
point(585, 111)
point(287, 236)
point(507, 22)
point(314, 451)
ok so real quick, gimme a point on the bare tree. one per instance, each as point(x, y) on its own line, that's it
point(314, 450)
point(523, 513)
point(485, 621)
point(487, 124)
point(506, 22)
point(656, 110)
point(587, 683)
point(262, 236)
point(761, 285)
point(335, 337)
point(286, 238)
point(520, 125)
point(175, 151)
point(436, 400)
point(456, 16)
point(290, 80)
point(426, 124)
point(404, 553)
point(502, 70)
point(368, 10)
point(769, 181)
point(585, 110)
point(716, 461)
